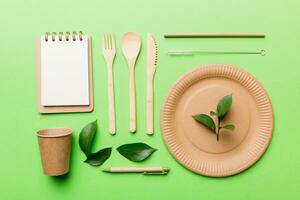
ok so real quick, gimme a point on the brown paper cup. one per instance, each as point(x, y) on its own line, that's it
point(55, 148)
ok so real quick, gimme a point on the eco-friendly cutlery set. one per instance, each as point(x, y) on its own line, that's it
point(189, 115)
point(131, 46)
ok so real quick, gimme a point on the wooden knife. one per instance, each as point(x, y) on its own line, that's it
point(151, 67)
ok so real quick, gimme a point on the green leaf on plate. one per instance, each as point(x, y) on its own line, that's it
point(230, 127)
point(136, 152)
point(98, 158)
point(224, 106)
point(206, 120)
point(86, 137)
point(212, 113)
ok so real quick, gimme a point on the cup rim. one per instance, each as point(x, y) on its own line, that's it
point(56, 132)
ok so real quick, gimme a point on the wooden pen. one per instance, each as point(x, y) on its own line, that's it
point(144, 170)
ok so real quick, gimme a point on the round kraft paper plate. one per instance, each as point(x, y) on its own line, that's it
point(195, 146)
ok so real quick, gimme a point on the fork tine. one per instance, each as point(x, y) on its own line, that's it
point(112, 42)
point(106, 42)
point(103, 42)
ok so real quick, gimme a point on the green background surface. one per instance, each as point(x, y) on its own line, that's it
point(275, 176)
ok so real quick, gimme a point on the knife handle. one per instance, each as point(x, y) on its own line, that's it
point(150, 103)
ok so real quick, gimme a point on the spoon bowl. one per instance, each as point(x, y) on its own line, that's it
point(131, 45)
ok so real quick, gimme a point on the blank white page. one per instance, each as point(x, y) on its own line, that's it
point(64, 71)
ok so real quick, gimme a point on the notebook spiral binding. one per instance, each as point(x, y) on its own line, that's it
point(67, 35)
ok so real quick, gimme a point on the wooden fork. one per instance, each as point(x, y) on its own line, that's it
point(109, 52)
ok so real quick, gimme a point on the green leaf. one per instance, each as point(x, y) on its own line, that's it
point(212, 113)
point(230, 127)
point(224, 106)
point(98, 158)
point(206, 120)
point(86, 137)
point(136, 152)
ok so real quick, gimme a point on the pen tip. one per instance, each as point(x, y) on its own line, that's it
point(166, 169)
point(106, 170)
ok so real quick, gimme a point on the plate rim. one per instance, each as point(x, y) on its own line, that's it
point(219, 70)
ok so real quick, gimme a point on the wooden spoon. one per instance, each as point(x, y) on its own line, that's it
point(131, 45)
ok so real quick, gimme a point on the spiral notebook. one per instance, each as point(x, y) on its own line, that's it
point(64, 73)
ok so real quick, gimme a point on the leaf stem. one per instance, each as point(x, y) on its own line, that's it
point(218, 129)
